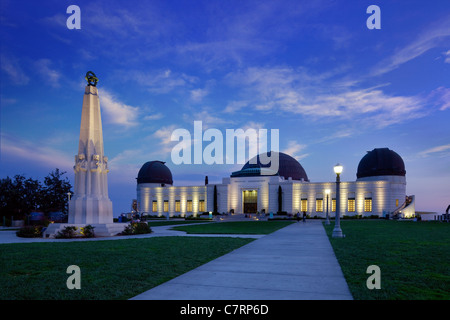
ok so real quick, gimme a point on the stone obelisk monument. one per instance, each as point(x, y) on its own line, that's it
point(90, 204)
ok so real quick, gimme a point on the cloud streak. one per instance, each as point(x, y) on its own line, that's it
point(41, 155)
point(434, 150)
point(116, 111)
point(437, 34)
point(317, 96)
point(49, 75)
point(13, 69)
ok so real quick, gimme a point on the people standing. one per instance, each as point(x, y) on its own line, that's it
point(304, 216)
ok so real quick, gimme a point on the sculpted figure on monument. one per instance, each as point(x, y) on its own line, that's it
point(80, 162)
point(96, 159)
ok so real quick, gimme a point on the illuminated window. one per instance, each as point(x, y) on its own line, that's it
point(333, 205)
point(201, 206)
point(166, 205)
point(189, 206)
point(177, 206)
point(304, 205)
point(155, 206)
point(351, 205)
point(319, 205)
point(368, 204)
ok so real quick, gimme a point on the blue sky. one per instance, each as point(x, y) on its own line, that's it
point(311, 69)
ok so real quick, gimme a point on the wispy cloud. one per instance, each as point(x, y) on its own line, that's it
point(293, 148)
point(48, 74)
point(162, 81)
point(12, 68)
point(208, 118)
point(197, 95)
point(447, 56)
point(318, 96)
point(155, 116)
point(434, 150)
point(41, 155)
point(436, 34)
point(116, 111)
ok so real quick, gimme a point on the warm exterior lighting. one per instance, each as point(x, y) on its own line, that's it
point(338, 169)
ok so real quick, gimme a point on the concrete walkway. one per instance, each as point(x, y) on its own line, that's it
point(9, 236)
point(293, 263)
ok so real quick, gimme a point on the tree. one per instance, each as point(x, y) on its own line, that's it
point(54, 194)
point(20, 196)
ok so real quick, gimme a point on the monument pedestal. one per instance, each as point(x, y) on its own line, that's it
point(90, 210)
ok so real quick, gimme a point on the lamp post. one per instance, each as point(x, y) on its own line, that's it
point(327, 220)
point(337, 232)
point(68, 204)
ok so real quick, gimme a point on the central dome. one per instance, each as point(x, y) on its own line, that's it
point(288, 168)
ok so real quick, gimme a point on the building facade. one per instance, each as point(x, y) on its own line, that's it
point(380, 189)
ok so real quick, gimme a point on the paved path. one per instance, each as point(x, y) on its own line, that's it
point(293, 263)
point(9, 236)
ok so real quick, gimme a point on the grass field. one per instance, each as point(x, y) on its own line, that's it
point(235, 227)
point(118, 269)
point(414, 258)
point(155, 223)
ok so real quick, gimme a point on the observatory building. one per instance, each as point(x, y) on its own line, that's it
point(379, 189)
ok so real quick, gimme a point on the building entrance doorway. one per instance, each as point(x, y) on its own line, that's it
point(250, 198)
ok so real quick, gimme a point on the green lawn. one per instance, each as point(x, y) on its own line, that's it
point(414, 258)
point(115, 269)
point(236, 227)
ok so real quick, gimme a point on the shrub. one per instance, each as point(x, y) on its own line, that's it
point(67, 233)
point(70, 232)
point(136, 228)
point(30, 232)
point(88, 231)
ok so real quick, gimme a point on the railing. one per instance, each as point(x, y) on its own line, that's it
point(396, 212)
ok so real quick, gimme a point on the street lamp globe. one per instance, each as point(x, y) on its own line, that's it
point(338, 169)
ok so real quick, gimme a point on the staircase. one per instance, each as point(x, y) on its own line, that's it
point(397, 213)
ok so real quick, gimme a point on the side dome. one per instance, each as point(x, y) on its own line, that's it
point(381, 162)
point(287, 167)
point(154, 172)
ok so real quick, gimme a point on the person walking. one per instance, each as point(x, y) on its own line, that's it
point(298, 216)
point(304, 216)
